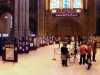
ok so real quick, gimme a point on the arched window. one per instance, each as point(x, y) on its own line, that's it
point(54, 4)
point(63, 4)
point(66, 4)
point(78, 3)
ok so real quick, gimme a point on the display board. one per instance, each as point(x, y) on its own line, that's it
point(66, 12)
point(9, 51)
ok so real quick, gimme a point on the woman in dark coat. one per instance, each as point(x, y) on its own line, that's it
point(94, 50)
point(64, 55)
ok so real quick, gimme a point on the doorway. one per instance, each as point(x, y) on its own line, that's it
point(98, 17)
point(33, 16)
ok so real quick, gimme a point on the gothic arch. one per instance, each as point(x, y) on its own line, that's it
point(68, 26)
point(6, 22)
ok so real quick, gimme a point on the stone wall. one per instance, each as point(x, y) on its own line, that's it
point(83, 25)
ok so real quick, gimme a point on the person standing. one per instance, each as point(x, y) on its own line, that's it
point(64, 55)
point(94, 50)
point(88, 52)
point(82, 53)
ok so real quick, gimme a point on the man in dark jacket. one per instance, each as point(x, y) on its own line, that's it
point(64, 55)
point(88, 52)
point(94, 50)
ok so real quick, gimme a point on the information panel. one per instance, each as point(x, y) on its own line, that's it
point(65, 12)
point(9, 54)
point(9, 51)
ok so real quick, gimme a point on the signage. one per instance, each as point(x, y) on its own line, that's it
point(66, 14)
point(31, 44)
point(5, 35)
point(33, 35)
point(0, 34)
point(9, 51)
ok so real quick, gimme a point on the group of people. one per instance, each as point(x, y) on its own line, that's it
point(86, 48)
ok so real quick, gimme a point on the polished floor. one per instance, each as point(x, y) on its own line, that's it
point(40, 63)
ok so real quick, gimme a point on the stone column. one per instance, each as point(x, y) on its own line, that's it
point(16, 18)
point(27, 17)
point(92, 16)
point(41, 17)
point(21, 17)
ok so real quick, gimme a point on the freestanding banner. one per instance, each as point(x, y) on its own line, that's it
point(10, 50)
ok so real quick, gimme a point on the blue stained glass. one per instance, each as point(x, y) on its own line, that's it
point(78, 4)
point(66, 3)
point(57, 3)
point(54, 4)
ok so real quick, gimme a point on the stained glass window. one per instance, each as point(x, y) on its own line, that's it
point(54, 4)
point(66, 3)
point(77, 4)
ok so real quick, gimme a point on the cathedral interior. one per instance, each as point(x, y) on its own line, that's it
point(49, 37)
point(44, 17)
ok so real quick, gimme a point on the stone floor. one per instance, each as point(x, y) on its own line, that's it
point(40, 63)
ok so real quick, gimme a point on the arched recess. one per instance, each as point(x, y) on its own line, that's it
point(67, 26)
point(6, 21)
point(33, 16)
point(33, 26)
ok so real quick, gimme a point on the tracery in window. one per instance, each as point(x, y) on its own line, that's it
point(66, 4)
point(54, 4)
point(63, 4)
point(78, 4)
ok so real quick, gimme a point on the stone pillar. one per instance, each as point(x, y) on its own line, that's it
point(92, 16)
point(27, 17)
point(18, 17)
point(21, 2)
point(21, 17)
point(16, 24)
point(41, 17)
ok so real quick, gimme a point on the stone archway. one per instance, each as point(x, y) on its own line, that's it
point(6, 22)
point(67, 26)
